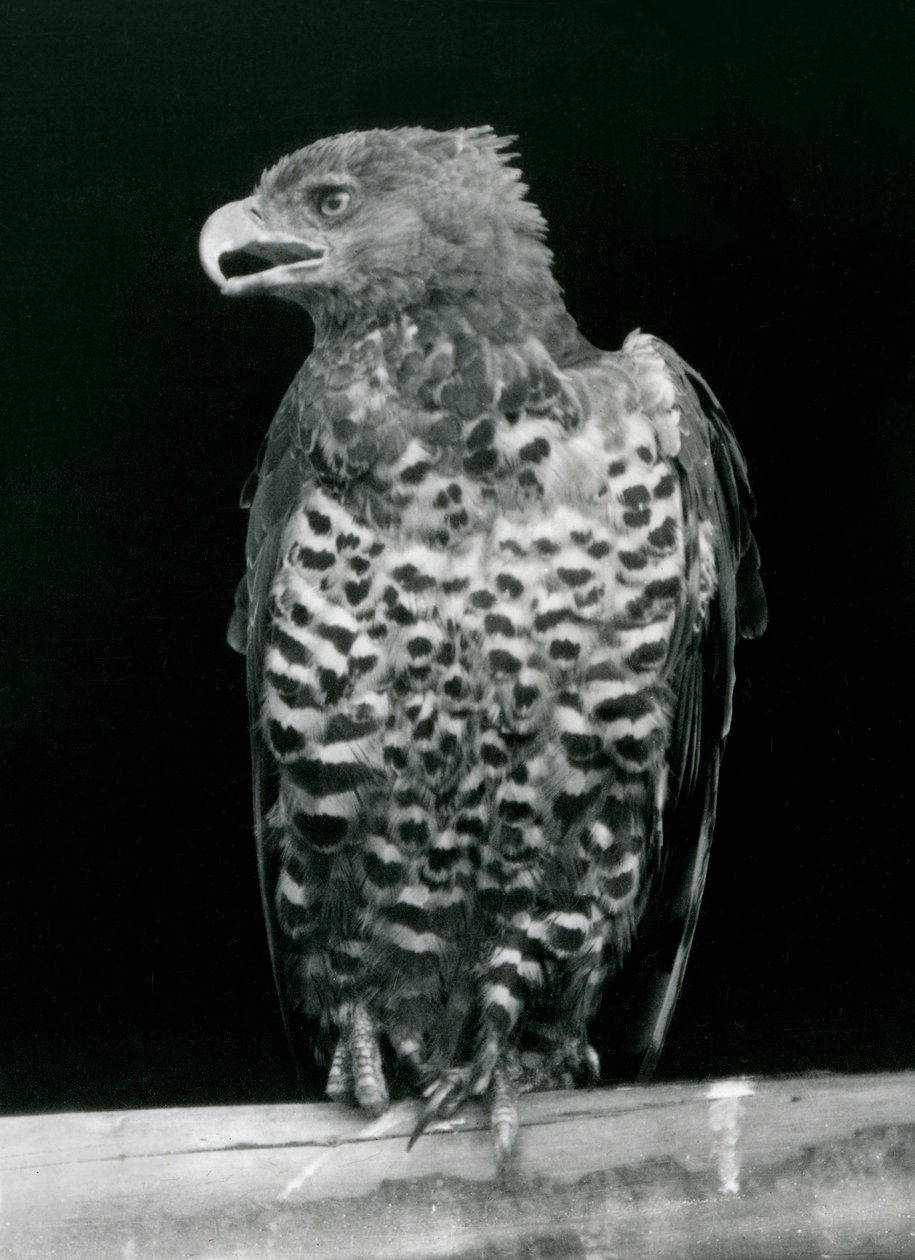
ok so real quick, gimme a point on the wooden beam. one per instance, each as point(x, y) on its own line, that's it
point(801, 1167)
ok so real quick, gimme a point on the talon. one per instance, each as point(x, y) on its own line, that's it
point(592, 1063)
point(418, 1130)
point(444, 1097)
point(453, 1088)
point(426, 1117)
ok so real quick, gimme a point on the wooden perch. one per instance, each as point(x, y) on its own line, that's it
point(805, 1167)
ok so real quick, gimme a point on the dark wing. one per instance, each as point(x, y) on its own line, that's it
point(272, 493)
point(716, 492)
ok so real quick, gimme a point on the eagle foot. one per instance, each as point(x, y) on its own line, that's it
point(444, 1096)
point(448, 1092)
point(356, 1074)
point(565, 1062)
point(454, 1086)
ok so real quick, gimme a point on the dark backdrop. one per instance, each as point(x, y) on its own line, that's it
point(738, 182)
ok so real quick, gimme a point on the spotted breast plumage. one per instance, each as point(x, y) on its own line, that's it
point(495, 581)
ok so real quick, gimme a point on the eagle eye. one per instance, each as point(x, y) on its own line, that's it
point(333, 202)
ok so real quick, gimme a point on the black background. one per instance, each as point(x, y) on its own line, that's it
point(739, 182)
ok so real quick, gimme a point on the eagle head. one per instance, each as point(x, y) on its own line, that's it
point(378, 221)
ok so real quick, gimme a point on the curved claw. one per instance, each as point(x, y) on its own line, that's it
point(591, 1063)
point(419, 1129)
point(444, 1096)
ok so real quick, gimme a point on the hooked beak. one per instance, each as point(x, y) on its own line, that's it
point(238, 228)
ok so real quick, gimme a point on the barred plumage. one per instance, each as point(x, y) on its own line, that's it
point(495, 580)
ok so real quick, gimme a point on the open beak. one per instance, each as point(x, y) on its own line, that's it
point(237, 229)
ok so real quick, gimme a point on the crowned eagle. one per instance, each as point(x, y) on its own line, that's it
point(495, 581)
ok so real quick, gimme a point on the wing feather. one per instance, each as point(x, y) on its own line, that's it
point(718, 505)
point(272, 493)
